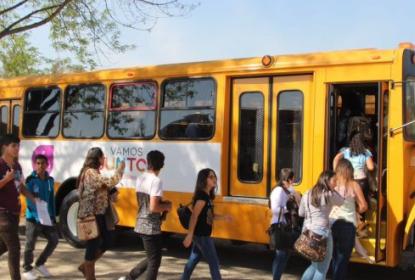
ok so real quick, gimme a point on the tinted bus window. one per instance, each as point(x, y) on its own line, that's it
point(132, 110)
point(16, 120)
point(290, 132)
point(410, 109)
point(41, 116)
point(251, 137)
point(188, 109)
point(4, 119)
point(83, 115)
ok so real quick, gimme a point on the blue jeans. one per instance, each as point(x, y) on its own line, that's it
point(279, 263)
point(203, 246)
point(318, 270)
point(343, 242)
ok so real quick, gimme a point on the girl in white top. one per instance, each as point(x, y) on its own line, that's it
point(344, 221)
point(278, 202)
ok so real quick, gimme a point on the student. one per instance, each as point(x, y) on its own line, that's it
point(11, 184)
point(279, 197)
point(151, 208)
point(344, 220)
point(200, 226)
point(315, 207)
point(40, 184)
point(93, 200)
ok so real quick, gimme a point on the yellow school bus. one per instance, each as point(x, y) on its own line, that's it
point(245, 118)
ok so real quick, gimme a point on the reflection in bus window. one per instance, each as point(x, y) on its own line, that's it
point(290, 132)
point(188, 109)
point(132, 110)
point(4, 119)
point(251, 137)
point(84, 111)
point(16, 120)
point(410, 108)
point(41, 112)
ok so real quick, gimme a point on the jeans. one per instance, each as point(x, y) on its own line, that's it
point(152, 246)
point(100, 244)
point(343, 242)
point(32, 232)
point(203, 246)
point(318, 270)
point(279, 263)
point(9, 241)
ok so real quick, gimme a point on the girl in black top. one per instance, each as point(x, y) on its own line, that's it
point(200, 225)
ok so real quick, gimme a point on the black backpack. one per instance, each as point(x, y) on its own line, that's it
point(184, 213)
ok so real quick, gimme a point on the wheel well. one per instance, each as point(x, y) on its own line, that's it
point(66, 187)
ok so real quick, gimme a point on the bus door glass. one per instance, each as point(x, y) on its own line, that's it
point(4, 117)
point(291, 101)
point(249, 137)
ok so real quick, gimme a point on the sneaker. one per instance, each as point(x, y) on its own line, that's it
point(122, 278)
point(30, 275)
point(43, 270)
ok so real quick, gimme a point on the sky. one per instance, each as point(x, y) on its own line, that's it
point(221, 29)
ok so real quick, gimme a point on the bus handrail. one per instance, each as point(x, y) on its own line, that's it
point(392, 130)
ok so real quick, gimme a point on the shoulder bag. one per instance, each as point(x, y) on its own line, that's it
point(184, 213)
point(310, 245)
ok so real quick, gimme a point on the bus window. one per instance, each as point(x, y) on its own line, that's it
point(290, 132)
point(83, 115)
point(16, 118)
point(409, 115)
point(188, 109)
point(132, 110)
point(4, 119)
point(251, 137)
point(41, 114)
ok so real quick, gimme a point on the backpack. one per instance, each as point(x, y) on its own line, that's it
point(184, 213)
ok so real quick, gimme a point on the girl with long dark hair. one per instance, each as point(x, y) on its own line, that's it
point(93, 200)
point(200, 225)
point(315, 207)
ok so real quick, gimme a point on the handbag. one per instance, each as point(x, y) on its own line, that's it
point(111, 216)
point(87, 228)
point(310, 245)
point(282, 236)
point(184, 213)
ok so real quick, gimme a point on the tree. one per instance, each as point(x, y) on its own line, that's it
point(86, 29)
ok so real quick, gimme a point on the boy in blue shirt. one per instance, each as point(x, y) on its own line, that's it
point(40, 184)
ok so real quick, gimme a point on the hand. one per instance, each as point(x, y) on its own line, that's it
point(168, 205)
point(188, 240)
point(9, 175)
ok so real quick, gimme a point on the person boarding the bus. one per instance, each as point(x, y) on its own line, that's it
point(11, 184)
point(279, 197)
point(40, 184)
point(151, 209)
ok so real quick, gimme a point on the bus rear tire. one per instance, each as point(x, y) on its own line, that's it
point(67, 219)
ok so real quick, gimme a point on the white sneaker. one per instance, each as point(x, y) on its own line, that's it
point(30, 275)
point(43, 270)
point(122, 278)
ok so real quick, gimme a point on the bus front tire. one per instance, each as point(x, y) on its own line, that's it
point(67, 219)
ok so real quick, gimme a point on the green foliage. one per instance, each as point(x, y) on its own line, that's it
point(85, 30)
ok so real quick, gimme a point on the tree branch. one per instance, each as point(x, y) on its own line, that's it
point(13, 7)
point(9, 31)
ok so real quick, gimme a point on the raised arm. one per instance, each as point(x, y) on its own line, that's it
point(336, 159)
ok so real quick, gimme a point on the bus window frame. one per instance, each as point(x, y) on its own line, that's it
point(24, 111)
point(104, 110)
point(130, 109)
point(406, 136)
point(162, 108)
point(263, 136)
point(296, 176)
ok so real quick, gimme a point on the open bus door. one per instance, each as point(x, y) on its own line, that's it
point(380, 244)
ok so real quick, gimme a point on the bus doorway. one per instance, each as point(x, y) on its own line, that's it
point(363, 108)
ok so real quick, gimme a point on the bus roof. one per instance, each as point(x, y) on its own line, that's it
point(242, 65)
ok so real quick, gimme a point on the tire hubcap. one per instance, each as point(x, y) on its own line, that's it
point(72, 218)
